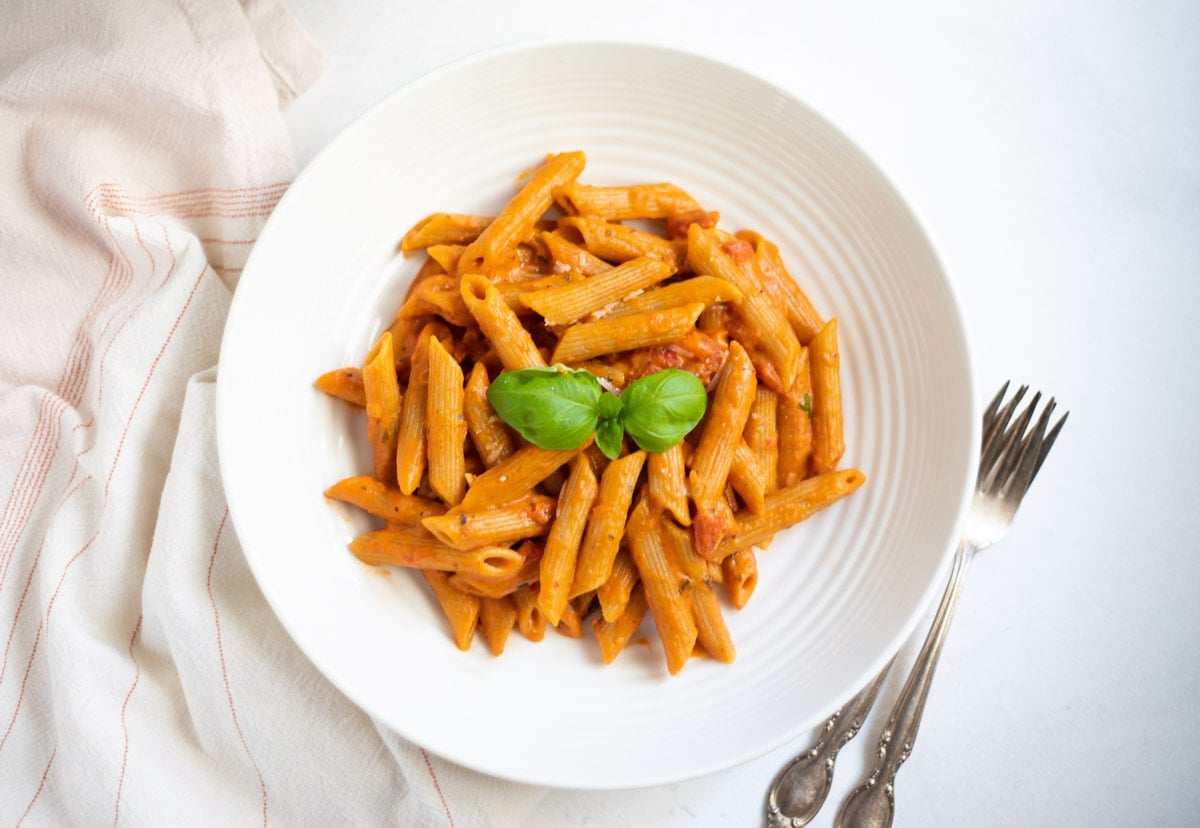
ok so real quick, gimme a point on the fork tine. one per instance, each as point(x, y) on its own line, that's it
point(1010, 450)
point(1017, 429)
point(1005, 414)
point(993, 439)
point(994, 405)
point(990, 421)
point(1051, 436)
point(1028, 450)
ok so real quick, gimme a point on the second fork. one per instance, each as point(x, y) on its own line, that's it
point(1009, 460)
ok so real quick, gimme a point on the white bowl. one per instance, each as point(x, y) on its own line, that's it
point(837, 595)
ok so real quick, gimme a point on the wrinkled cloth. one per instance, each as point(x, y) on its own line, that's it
point(143, 678)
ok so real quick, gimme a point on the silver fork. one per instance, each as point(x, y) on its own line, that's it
point(1010, 458)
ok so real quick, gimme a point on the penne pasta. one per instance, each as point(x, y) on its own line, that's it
point(494, 249)
point(711, 631)
point(606, 524)
point(719, 439)
point(490, 436)
point(640, 201)
point(706, 289)
point(715, 574)
point(739, 573)
point(496, 619)
point(511, 292)
point(516, 520)
point(430, 267)
point(447, 427)
point(515, 476)
point(460, 609)
point(557, 571)
point(788, 506)
point(762, 437)
point(564, 304)
point(614, 593)
point(345, 384)
point(439, 296)
point(762, 434)
point(382, 396)
point(795, 428)
point(613, 636)
point(609, 336)
point(487, 586)
point(446, 255)
point(411, 454)
point(665, 587)
point(376, 498)
point(782, 288)
point(530, 621)
point(722, 428)
point(570, 623)
point(500, 324)
point(568, 257)
point(402, 546)
point(828, 443)
point(666, 475)
point(618, 243)
point(406, 332)
point(443, 228)
point(748, 476)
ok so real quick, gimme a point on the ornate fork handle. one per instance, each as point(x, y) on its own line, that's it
point(801, 787)
point(872, 803)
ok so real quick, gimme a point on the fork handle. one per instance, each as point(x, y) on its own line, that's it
point(872, 802)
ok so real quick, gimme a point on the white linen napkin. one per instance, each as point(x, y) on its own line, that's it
point(143, 679)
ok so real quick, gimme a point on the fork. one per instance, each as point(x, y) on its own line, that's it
point(1010, 457)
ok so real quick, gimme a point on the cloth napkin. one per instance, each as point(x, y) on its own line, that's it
point(143, 678)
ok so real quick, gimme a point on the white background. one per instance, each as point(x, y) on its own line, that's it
point(1052, 151)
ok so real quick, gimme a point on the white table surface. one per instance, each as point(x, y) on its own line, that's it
point(1053, 152)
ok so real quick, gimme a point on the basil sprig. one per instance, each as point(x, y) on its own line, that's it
point(559, 408)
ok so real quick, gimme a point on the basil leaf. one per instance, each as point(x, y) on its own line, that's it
point(553, 408)
point(610, 406)
point(661, 408)
point(608, 437)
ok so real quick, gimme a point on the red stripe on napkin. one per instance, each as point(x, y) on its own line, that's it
point(262, 785)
